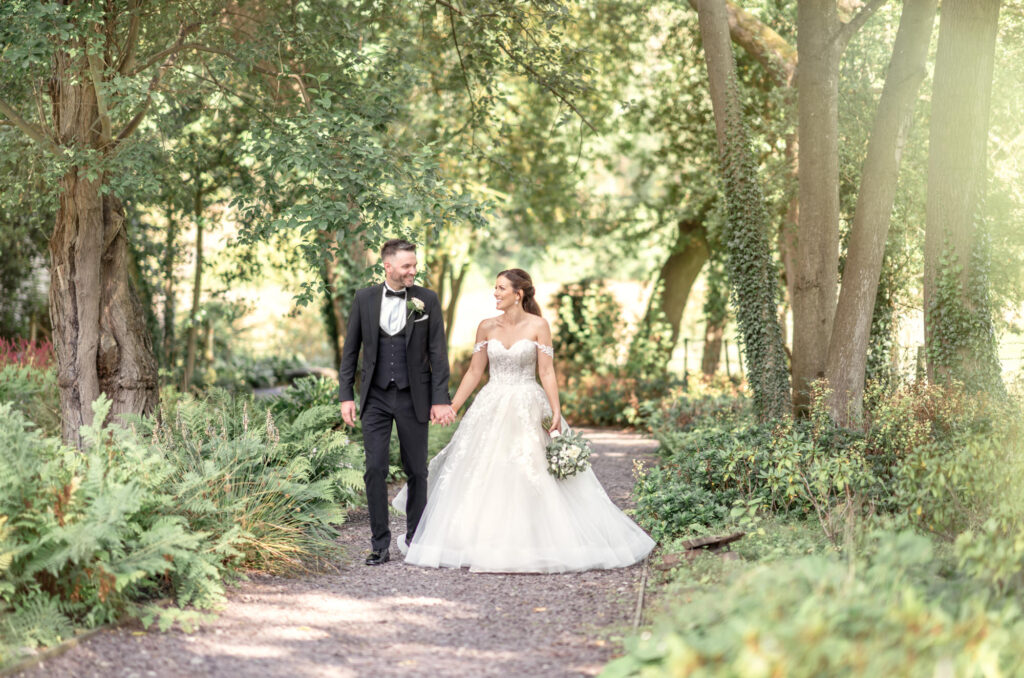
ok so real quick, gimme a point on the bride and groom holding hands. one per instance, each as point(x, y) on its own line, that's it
point(493, 505)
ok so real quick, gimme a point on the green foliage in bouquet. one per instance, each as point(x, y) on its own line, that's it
point(568, 454)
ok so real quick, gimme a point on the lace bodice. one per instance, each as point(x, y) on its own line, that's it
point(516, 364)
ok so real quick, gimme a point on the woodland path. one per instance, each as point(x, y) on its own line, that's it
point(394, 620)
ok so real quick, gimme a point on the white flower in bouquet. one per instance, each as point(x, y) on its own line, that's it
point(567, 454)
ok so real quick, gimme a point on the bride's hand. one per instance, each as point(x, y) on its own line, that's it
point(556, 424)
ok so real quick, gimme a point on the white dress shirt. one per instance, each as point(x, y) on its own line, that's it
point(392, 311)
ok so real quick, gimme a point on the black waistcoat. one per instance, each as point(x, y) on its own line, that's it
point(391, 360)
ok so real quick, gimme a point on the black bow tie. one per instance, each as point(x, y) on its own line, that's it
point(392, 293)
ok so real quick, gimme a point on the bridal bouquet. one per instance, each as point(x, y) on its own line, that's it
point(568, 454)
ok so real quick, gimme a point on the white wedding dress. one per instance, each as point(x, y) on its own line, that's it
point(492, 506)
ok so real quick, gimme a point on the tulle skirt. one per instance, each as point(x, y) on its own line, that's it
point(492, 506)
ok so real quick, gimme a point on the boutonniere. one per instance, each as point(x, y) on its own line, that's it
point(414, 305)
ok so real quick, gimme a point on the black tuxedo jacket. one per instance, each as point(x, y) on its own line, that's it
point(426, 350)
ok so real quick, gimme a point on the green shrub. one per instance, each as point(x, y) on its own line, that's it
point(91, 533)
point(933, 457)
point(588, 328)
point(33, 391)
point(991, 549)
point(609, 377)
point(310, 425)
point(781, 468)
point(890, 613)
point(157, 510)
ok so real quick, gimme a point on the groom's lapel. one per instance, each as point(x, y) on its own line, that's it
point(374, 313)
point(411, 317)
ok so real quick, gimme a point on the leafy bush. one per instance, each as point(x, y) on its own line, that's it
point(158, 510)
point(606, 384)
point(944, 466)
point(933, 457)
point(710, 470)
point(33, 391)
point(613, 399)
point(991, 549)
point(588, 328)
point(888, 614)
point(28, 380)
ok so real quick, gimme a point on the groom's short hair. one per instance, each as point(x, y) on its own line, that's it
point(394, 246)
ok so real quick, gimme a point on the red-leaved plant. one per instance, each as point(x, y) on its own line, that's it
point(23, 352)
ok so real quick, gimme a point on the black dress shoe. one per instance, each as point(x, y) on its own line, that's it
point(378, 557)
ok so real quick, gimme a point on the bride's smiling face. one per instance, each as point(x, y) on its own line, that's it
point(505, 296)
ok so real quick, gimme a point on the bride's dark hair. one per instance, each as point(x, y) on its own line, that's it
point(522, 282)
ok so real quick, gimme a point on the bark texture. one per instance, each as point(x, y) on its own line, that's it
point(99, 330)
point(961, 97)
point(851, 331)
point(816, 259)
point(100, 334)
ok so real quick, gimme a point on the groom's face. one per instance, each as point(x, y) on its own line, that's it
point(400, 269)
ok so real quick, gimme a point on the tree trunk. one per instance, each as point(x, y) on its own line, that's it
point(170, 248)
point(716, 314)
point(958, 323)
point(752, 273)
point(851, 332)
point(712, 348)
point(334, 313)
point(197, 288)
point(816, 258)
point(679, 272)
point(208, 342)
point(455, 288)
point(99, 330)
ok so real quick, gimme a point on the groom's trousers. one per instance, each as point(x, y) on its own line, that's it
point(382, 407)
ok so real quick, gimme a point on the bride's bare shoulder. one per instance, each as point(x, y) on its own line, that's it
point(486, 325)
point(539, 324)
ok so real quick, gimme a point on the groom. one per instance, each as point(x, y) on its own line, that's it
point(404, 380)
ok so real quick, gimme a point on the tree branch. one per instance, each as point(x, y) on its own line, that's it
point(762, 43)
point(96, 73)
point(462, 65)
point(451, 7)
point(127, 59)
point(850, 28)
point(153, 82)
point(543, 83)
point(34, 132)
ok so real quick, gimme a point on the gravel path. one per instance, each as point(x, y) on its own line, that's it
point(395, 620)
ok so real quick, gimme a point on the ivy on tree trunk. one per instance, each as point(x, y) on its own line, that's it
point(752, 273)
point(959, 332)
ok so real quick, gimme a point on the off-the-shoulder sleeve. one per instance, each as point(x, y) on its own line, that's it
point(479, 346)
point(549, 351)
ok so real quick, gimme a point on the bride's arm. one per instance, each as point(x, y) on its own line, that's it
point(546, 371)
point(475, 371)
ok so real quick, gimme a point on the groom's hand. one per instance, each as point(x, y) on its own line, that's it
point(348, 412)
point(442, 414)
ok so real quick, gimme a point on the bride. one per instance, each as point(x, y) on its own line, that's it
point(492, 504)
